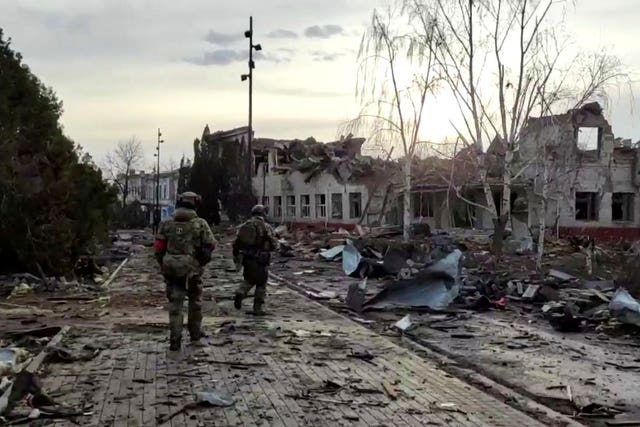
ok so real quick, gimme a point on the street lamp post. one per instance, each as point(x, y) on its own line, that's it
point(156, 211)
point(249, 34)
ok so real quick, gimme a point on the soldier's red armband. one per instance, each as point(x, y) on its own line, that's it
point(160, 246)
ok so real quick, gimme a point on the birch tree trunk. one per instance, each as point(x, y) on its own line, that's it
point(542, 220)
point(406, 208)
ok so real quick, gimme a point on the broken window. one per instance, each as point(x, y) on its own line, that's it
point(587, 206)
point(622, 207)
point(422, 205)
point(336, 205)
point(588, 138)
point(321, 206)
point(280, 158)
point(305, 206)
point(260, 162)
point(291, 206)
point(355, 205)
point(277, 206)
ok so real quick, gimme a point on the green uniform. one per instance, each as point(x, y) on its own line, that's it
point(183, 246)
point(254, 242)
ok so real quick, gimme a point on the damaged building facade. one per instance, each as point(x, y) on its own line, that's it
point(305, 181)
point(585, 180)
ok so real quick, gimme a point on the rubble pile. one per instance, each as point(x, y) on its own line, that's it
point(453, 269)
point(89, 272)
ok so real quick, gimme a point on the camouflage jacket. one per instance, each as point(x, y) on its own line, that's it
point(184, 244)
point(254, 235)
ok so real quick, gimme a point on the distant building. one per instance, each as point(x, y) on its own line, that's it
point(142, 189)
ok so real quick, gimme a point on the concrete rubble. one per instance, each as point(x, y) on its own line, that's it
point(405, 293)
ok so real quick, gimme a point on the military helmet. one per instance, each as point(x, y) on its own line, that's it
point(258, 210)
point(189, 198)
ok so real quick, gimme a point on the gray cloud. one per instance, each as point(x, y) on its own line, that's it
point(219, 57)
point(260, 56)
point(229, 56)
point(322, 56)
point(323, 31)
point(222, 39)
point(282, 34)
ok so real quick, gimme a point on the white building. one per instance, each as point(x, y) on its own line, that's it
point(142, 189)
point(310, 182)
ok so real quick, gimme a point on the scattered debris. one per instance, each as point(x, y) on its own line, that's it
point(390, 390)
point(404, 323)
point(350, 258)
point(434, 287)
point(448, 406)
point(60, 354)
point(364, 356)
point(331, 254)
point(624, 307)
point(202, 399)
point(214, 398)
point(356, 295)
point(562, 276)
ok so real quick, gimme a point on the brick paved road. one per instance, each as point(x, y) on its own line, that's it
point(292, 368)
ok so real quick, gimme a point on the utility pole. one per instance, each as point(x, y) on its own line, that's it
point(156, 211)
point(249, 34)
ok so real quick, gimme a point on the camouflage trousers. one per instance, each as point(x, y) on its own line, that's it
point(177, 289)
point(255, 274)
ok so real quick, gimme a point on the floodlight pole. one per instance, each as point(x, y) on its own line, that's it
point(251, 66)
point(249, 34)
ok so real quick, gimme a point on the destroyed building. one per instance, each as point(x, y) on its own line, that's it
point(592, 178)
point(306, 181)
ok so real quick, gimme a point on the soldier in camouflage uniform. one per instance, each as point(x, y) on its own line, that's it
point(252, 248)
point(183, 246)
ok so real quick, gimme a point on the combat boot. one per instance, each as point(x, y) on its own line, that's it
point(197, 337)
point(258, 311)
point(237, 301)
point(174, 345)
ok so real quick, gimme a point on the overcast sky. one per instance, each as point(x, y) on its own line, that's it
point(127, 67)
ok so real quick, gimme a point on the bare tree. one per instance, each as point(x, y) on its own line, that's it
point(396, 76)
point(121, 162)
point(504, 61)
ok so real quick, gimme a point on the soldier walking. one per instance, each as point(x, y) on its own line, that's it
point(183, 246)
point(252, 249)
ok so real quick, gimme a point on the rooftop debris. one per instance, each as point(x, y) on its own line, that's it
point(435, 287)
point(431, 273)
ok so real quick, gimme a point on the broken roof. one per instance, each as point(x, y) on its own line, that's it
point(341, 158)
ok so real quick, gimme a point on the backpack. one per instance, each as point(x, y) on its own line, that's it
point(182, 238)
point(250, 235)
